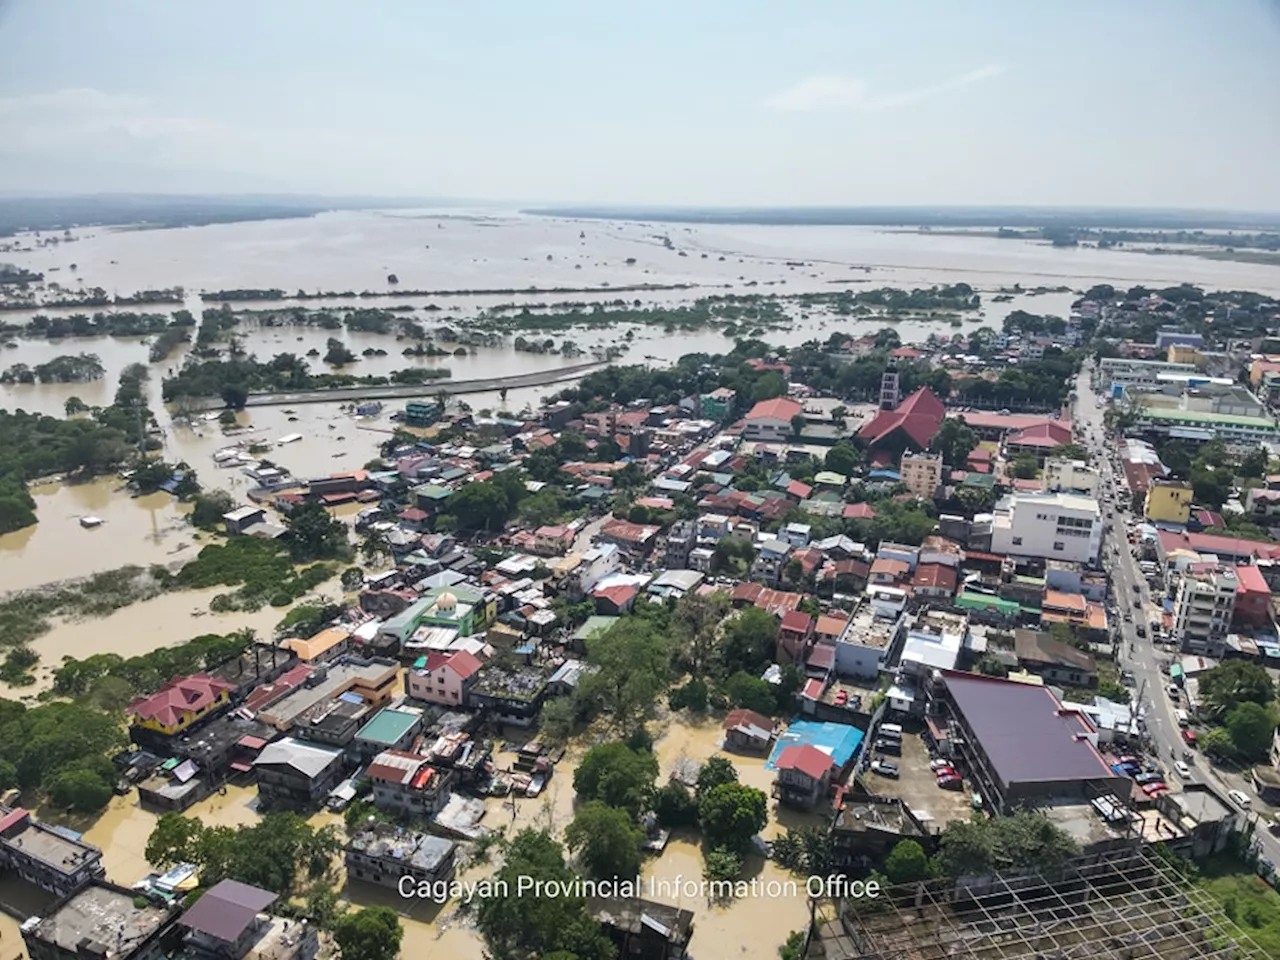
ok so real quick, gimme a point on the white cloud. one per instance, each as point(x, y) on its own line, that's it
point(852, 93)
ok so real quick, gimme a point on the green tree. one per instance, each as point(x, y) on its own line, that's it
point(713, 773)
point(633, 671)
point(516, 926)
point(80, 789)
point(605, 840)
point(480, 506)
point(1235, 682)
point(695, 624)
point(557, 719)
point(955, 441)
point(793, 949)
point(314, 535)
point(1024, 467)
point(767, 386)
point(750, 641)
point(618, 776)
point(751, 693)
point(977, 499)
point(234, 396)
point(74, 406)
point(731, 814)
point(841, 459)
point(1254, 464)
point(906, 863)
point(675, 806)
point(370, 933)
point(1252, 730)
point(209, 507)
point(174, 839)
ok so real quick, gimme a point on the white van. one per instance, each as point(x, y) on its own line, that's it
point(892, 729)
point(1239, 799)
point(1181, 717)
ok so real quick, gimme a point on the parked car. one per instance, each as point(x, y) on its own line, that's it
point(1189, 737)
point(1151, 789)
point(842, 697)
point(886, 768)
point(1145, 778)
point(939, 764)
point(1183, 770)
point(950, 783)
point(888, 746)
point(1174, 692)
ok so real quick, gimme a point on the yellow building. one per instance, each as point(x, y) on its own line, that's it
point(180, 703)
point(1168, 501)
point(1181, 353)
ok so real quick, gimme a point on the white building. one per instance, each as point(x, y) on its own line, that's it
point(922, 473)
point(770, 420)
point(1121, 371)
point(1056, 526)
point(1071, 476)
point(868, 640)
point(1202, 608)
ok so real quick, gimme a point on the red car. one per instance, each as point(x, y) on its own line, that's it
point(941, 772)
point(1189, 737)
point(1151, 789)
point(842, 697)
point(950, 783)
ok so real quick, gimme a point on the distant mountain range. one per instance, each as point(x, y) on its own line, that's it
point(942, 217)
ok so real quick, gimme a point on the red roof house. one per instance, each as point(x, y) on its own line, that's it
point(915, 422)
point(181, 701)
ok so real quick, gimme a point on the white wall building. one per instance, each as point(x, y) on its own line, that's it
point(922, 473)
point(1071, 476)
point(1202, 609)
point(1056, 526)
point(1121, 371)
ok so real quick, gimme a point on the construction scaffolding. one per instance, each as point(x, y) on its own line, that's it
point(1127, 906)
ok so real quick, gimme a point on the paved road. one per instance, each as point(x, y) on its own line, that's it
point(1139, 654)
point(537, 378)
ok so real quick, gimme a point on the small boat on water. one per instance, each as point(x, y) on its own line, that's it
point(227, 455)
point(90, 523)
point(291, 438)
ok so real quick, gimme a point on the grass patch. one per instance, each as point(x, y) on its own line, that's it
point(1246, 899)
point(261, 569)
point(28, 614)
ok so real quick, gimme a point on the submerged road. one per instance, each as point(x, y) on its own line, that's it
point(536, 378)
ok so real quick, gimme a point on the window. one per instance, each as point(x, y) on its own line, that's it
point(1058, 545)
point(1017, 541)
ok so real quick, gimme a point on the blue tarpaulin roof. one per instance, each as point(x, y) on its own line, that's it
point(838, 740)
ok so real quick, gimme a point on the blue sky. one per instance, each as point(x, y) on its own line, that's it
point(734, 102)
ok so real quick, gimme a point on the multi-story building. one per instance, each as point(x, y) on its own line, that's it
point(179, 705)
point(100, 920)
point(922, 473)
point(1123, 372)
point(43, 856)
point(230, 922)
point(1168, 501)
point(389, 729)
point(680, 542)
point(869, 639)
point(770, 420)
point(770, 560)
point(386, 854)
point(1057, 526)
point(444, 678)
point(1202, 608)
point(1071, 476)
point(718, 404)
point(296, 774)
point(406, 784)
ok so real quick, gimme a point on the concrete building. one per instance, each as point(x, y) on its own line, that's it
point(296, 774)
point(1123, 372)
point(922, 473)
point(1168, 501)
point(43, 856)
point(1017, 743)
point(1202, 608)
point(1056, 526)
point(230, 922)
point(868, 640)
point(100, 922)
point(769, 421)
point(1071, 476)
point(388, 729)
point(406, 784)
point(384, 854)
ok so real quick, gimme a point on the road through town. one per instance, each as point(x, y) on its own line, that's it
point(1140, 654)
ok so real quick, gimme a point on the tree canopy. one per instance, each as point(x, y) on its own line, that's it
point(605, 840)
point(517, 926)
point(370, 933)
point(730, 814)
point(1025, 839)
point(618, 776)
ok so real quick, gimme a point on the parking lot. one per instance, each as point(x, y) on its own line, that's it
point(918, 787)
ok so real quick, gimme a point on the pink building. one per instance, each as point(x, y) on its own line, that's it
point(445, 678)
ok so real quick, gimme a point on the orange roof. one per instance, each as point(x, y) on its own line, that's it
point(806, 758)
point(319, 645)
point(1073, 602)
point(894, 568)
point(779, 408)
point(830, 626)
